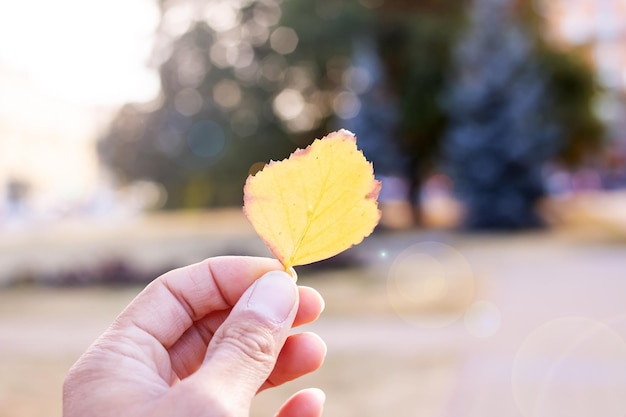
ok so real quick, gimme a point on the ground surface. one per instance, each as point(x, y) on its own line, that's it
point(418, 324)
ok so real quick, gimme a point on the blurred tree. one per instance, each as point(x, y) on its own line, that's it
point(385, 64)
point(245, 81)
point(222, 71)
point(508, 114)
point(431, 37)
point(572, 86)
point(236, 91)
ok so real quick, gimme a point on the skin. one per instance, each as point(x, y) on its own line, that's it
point(202, 341)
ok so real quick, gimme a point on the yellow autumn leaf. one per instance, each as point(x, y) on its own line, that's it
point(315, 204)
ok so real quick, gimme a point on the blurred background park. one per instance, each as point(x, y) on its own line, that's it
point(493, 285)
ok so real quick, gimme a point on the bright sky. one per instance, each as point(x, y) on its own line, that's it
point(65, 66)
point(90, 52)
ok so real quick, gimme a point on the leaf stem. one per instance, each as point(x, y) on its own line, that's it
point(292, 272)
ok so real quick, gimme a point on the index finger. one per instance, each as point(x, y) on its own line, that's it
point(169, 305)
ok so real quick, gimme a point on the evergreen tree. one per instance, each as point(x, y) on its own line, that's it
point(500, 133)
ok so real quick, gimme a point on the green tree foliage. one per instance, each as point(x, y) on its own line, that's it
point(235, 92)
point(413, 40)
point(214, 119)
point(287, 98)
point(572, 86)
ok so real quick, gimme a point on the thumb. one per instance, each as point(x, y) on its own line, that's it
point(244, 349)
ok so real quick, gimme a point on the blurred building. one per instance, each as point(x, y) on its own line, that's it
point(47, 153)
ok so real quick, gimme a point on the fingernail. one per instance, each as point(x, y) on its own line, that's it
point(274, 296)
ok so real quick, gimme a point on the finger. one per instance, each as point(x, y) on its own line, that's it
point(167, 307)
point(302, 353)
point(187, 354)
point(244, 349)
point(305, 403)
point(311, 306)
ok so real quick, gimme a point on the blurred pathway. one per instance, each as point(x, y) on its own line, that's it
point(545, 335)
point(425, 324)
point(561, 346)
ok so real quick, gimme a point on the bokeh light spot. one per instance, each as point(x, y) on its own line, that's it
point(284, 40)
point(188, 102)
point(300, 77)
point(177, 19)
point(146, 195)
point(346, 105)
point(288, 104)
point(256, 33)
point(221, 16)
point(219, 54)
point(240, 56)
point(191, 71)
point(206, 139)
point(267, 14)
point(358, 79)
point(248, 74)
point(227, 93)
point(306, 120)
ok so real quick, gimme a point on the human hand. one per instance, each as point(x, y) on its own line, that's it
point(201, 341)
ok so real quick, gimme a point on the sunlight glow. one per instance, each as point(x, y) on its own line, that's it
point(66, 66)
point(91, 53)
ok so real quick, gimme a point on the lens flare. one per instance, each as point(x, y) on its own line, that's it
point(572, 366)
point(430, 284)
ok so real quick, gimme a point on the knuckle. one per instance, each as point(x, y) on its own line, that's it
point(250, 340)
